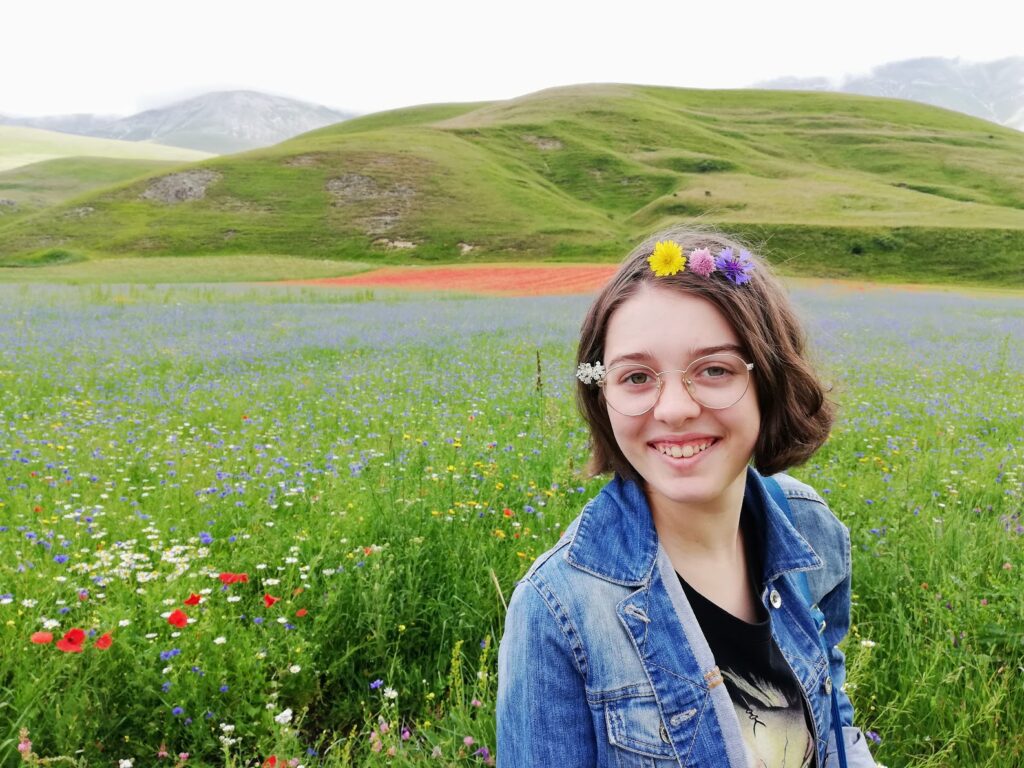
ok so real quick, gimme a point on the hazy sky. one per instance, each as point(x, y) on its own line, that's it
point(122, 56)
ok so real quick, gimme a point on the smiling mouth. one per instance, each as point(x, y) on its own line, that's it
point(677, 451)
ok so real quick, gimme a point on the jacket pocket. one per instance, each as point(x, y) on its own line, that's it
point(637, 734)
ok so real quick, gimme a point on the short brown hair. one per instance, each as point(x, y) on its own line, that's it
point(796, 415)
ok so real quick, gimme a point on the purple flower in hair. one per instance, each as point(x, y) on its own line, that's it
point(735, 268)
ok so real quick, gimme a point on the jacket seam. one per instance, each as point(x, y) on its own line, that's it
point(563, 622)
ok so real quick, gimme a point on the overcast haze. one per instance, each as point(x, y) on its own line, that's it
point(120, 57)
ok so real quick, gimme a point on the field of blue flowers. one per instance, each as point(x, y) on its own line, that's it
point(277, 526)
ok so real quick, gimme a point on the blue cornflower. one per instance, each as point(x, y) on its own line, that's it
point(60, 559)
point(177, 711)
point(223, 689)
point(736, 269)
point(166, 686)
point(168, 655)
point(205, 538)
point(376, 684)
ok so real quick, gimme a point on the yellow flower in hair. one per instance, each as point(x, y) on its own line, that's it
point(667, 258)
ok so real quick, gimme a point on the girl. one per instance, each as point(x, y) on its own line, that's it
point(690, 615)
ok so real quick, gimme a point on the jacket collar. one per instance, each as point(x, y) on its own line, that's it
point(616, 539)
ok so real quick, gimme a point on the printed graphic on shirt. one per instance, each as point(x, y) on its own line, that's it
point(772, 722)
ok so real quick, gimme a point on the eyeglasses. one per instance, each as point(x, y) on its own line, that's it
point(715, 381)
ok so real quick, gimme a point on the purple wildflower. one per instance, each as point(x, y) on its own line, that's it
point(736, 268)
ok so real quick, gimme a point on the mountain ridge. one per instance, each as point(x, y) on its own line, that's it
point(992, 90)
point(218, 122)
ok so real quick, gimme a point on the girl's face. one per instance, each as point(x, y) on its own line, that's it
point(665, 331)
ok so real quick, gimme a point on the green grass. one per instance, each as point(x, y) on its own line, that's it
point(581, 173)
point(51, 182)
point(61, 267)
point(388, 469)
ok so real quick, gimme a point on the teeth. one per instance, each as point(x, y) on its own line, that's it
point(683, 451)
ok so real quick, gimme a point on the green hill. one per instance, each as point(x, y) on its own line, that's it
point(829, 184)
point(30, 188)
point(25, 146)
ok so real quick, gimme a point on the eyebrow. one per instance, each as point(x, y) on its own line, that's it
point(646, 357)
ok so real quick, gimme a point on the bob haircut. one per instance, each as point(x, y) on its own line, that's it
point(796, 415)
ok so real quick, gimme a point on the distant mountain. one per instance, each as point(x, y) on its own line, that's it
point(222, 123)
point(991, 90)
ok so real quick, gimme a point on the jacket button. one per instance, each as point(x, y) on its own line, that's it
point(775, 598)
point(828, 686)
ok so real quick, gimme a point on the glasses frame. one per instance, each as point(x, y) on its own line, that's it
point(687, 383)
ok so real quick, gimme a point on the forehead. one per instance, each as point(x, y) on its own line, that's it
point(666, 325)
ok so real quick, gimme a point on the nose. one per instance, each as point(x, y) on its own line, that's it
point(675, 403)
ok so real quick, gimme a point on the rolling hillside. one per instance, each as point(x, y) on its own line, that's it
point(24, 146)
point(829, 184)
point(29, 188)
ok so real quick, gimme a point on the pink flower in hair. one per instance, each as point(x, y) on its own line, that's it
point(702, 262)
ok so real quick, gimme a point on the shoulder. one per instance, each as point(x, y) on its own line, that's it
point(536, 592)
point(823, 531)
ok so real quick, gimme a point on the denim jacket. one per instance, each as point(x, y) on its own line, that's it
point(603, 664)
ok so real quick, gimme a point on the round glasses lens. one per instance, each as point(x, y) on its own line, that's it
point(715, 381)
point(631, 389)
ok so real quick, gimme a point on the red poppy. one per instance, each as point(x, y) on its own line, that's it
point(72, 641)
point(193, 599)
point(301, 612)
point(42, 638)
point(104, 641)
point(75, 635)
point(234, 578)
point(269, 600)
point(270, 762)
point(507, 512)
point(178, 619)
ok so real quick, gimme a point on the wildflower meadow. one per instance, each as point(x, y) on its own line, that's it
point(270, 526)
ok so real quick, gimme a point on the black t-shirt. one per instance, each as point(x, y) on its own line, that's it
point(767, 697)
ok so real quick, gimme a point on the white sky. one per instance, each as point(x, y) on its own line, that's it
point(122, 56)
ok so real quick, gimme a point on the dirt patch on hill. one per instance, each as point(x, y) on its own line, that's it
point(355, 187)
point(304, 161)
point(181, 187)
point(384, 203)
point(80, 212)
point(543, 142)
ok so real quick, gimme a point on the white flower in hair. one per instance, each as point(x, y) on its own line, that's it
point(590, 374)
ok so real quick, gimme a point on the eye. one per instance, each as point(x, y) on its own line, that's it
point(634, 378)
point(637, 378)
point(717, 370)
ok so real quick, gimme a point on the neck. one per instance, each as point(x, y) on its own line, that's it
point(708, 531)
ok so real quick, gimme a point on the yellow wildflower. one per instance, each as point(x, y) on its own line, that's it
point(667, 258)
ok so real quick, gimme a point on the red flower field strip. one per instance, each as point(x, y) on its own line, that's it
point(501, 279)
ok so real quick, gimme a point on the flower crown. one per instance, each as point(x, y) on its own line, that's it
point(668, 259)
